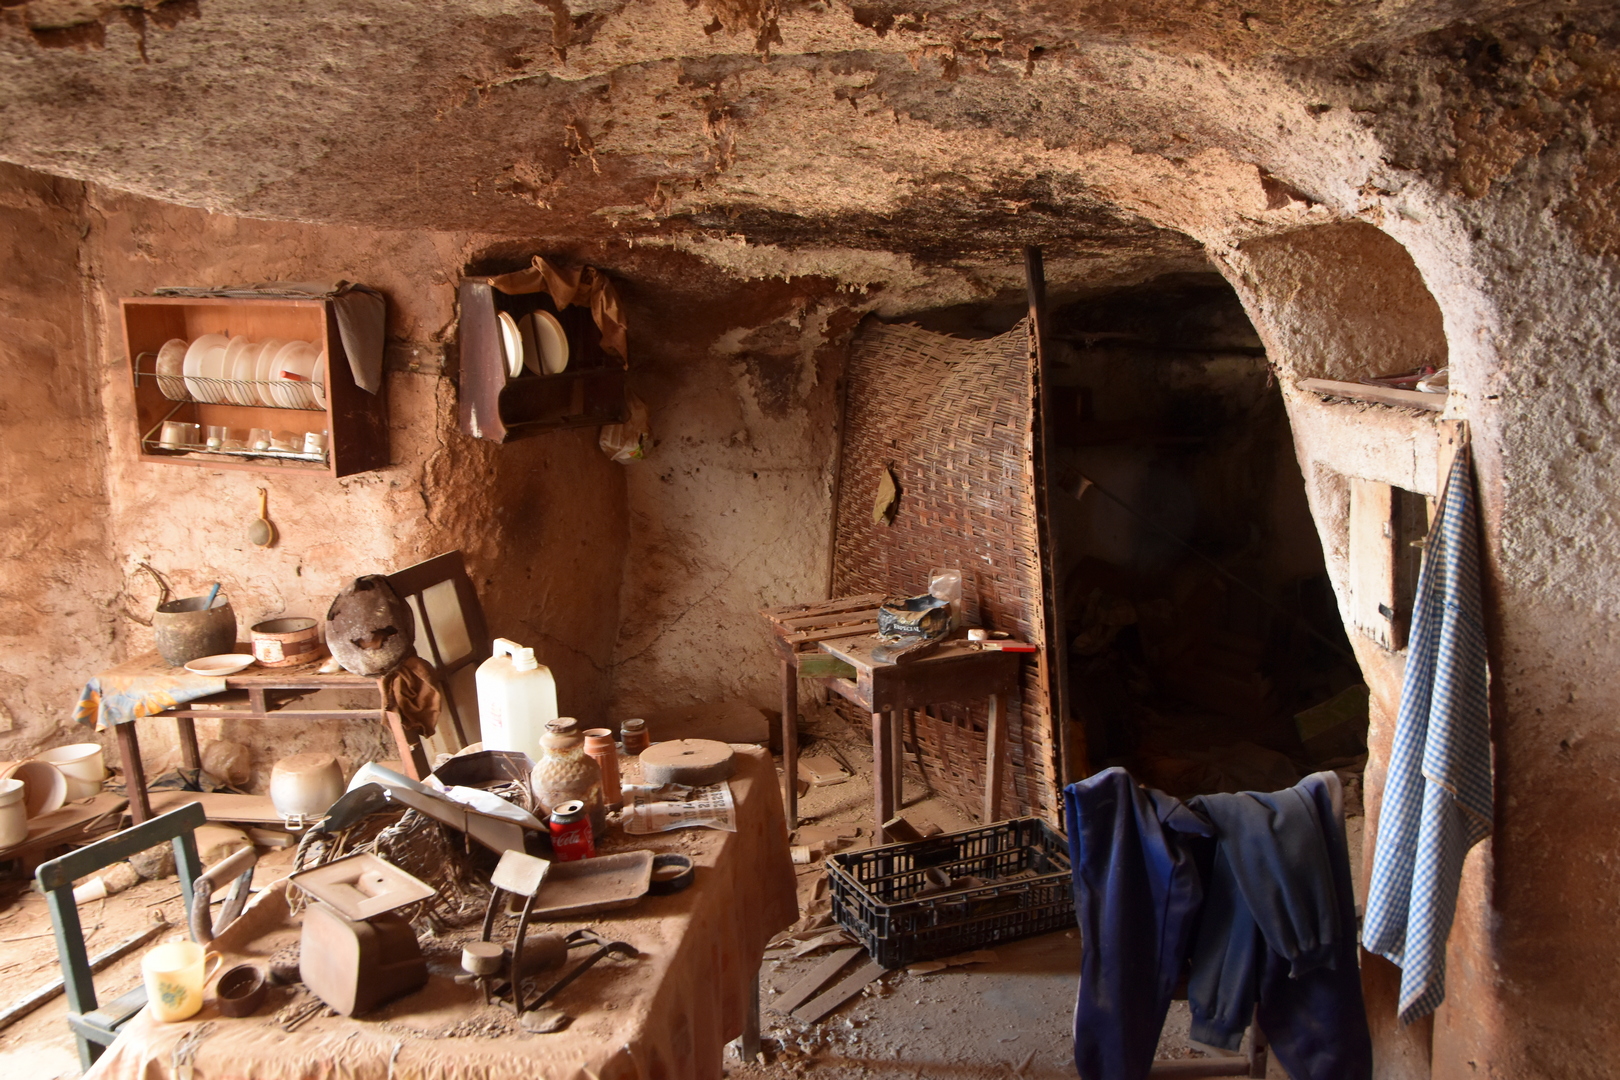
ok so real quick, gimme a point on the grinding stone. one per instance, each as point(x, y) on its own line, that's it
point(693, 762)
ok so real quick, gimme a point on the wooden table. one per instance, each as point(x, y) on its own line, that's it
point(833, 641)
point(669, 1013)
point(956, 671)
point(258, 693)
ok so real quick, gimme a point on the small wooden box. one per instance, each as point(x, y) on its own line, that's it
point(356, 422)
point(500, 407)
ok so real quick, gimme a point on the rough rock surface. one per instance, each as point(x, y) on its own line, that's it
point(1382, 184)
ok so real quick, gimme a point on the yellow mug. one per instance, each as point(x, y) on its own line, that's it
point(175, 974)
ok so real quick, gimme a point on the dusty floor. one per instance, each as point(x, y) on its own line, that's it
point(1007, 1017)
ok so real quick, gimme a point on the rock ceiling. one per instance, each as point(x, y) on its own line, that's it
point(946, 132)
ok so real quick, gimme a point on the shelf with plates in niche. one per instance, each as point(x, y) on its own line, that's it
point(529, 366)
point(238, 383)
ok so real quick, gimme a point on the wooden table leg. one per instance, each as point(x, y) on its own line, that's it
point(898, 750)
point(189, 753)
point(748, 1042)
point(994, 737)
point(790, 741)
point(129, 756)
point(882, 770)
point(412, 758)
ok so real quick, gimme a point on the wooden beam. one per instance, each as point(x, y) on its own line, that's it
point(1378, 395)
point(840, 993)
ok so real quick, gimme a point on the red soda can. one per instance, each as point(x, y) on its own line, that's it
point(571, 832)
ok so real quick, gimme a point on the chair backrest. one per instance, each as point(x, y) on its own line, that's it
point(55, 879)
point(451, 634)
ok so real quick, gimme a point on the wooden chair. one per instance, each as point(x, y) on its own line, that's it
point(95, 1027)
point(451, 634)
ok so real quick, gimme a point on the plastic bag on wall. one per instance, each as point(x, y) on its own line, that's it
point(630, 440)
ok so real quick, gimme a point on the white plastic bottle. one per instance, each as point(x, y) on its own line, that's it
point(516, 698)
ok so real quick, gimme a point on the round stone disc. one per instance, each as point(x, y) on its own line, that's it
point(693, 762)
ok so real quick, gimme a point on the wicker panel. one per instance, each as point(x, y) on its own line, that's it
point(953, 420)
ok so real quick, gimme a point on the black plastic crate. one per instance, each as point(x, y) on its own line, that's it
point(875, 892)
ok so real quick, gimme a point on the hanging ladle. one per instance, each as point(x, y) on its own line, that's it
point(261, 532)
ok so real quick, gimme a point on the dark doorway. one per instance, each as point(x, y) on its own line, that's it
point(1206, 652)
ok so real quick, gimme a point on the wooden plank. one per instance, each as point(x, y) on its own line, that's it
point(61, 825)
point(840, 993)
point(1372, 560)
point(219, 806)
point(855, 630)
point(801, 991)
point(1378, 395)
point(821, 665)
point(846, 603)
point(813, 622)
point(882, 769)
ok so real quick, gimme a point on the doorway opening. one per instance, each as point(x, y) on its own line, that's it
point(1205, 647)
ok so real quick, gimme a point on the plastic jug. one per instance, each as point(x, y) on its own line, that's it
point(517, 697)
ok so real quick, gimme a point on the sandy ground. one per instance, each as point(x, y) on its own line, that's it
point(1010, 1017)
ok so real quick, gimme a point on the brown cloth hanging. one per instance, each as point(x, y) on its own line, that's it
point(412, 690)
point(587, 287)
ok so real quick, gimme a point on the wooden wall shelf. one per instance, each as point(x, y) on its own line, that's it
point(355, 421)
point(499, 407)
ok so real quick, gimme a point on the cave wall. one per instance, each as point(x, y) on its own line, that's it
point(55, 579)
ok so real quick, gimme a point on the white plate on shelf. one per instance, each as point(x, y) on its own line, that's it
point(317, 383)
point(240, 358)
point(193, 367)
point(170, 368)
point(216, 369)
point(553, 343)
point(292, 373)
point(511, 344)
point(261, 371)
point(531, 347)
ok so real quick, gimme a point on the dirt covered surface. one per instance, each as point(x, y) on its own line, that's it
point(1011, 1014)
point(39, 1046)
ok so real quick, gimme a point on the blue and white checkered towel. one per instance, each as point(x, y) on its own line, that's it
point(1437, 798)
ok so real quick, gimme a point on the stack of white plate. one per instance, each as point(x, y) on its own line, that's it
point(235, 371)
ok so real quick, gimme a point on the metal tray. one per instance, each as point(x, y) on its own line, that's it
point(600, 884)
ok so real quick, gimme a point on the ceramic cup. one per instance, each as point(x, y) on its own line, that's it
point(177, 433)
point(314, 442)
point(13, 813)
point(175, 975)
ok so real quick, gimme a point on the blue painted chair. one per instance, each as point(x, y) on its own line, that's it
point(95, 1027)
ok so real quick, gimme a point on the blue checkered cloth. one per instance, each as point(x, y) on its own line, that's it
point(1437, 797)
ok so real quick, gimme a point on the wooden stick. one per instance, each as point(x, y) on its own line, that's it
point(25, 1005)
point(1379, 395)
point(993, 739)
point(805, 988)
point(845, 990)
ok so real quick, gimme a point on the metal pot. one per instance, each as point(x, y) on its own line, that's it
point(185, 631)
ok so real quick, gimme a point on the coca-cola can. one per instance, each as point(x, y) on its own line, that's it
point(571, 832)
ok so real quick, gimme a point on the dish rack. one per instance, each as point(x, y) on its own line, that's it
point(904, 902)
point(355, 421)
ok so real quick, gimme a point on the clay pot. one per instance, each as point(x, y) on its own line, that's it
point(240, 991)
point(184, 631)
point(369, 628)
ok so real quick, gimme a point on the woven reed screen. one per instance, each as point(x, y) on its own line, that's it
point(953, 420)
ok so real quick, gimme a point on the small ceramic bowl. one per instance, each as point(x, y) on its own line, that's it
point(240, 991)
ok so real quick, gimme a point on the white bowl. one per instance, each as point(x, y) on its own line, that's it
point(220, 664)
point(13, 813)
point(81, 765)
